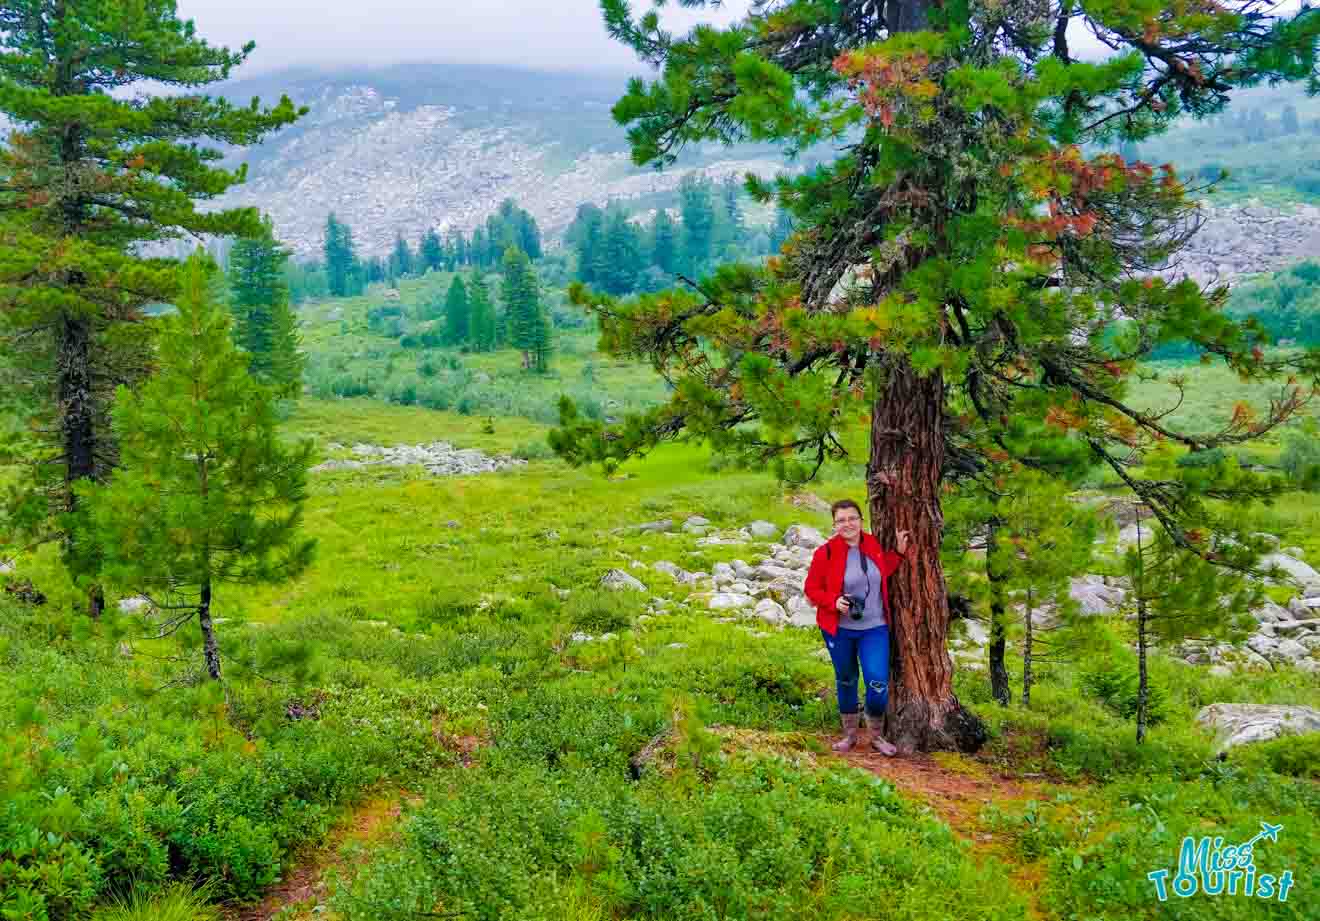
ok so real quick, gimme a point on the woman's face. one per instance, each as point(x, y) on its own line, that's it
point(848, 524)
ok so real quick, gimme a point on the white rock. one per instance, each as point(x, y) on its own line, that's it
point(670, 569)
point(768, 572)
point(799, 535)
point(133, 605)
point(581, 637)
point(771, 611)
point(741, 588)
point(1221, 671)
point(618, 580)
point(1294, 568)
point(677, 646)
point(6, 566)
point(696, 525)
point(1311, 641)
point(1239, 724)
point(1294, 627)
point(763, 529)
point(727, 601)
point(1310, 666)
point(1261, 645)
point(1270, 613)
point(1094, 596)
point(743, 571)
point(801, 612)
point(1288, 650)
point(657, 527)
point(724, 573)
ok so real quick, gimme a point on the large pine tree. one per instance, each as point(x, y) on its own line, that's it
point(207, 493)
point(91, 173)
point(962, 275)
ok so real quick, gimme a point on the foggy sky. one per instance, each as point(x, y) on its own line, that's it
point(536, 34)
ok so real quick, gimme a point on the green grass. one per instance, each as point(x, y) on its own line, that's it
point(435, 612)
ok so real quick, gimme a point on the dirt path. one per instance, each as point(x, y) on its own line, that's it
point(304, 885)
point(957, 789)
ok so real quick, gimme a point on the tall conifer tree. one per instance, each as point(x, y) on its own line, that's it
point(963, 275)
point(90, 173)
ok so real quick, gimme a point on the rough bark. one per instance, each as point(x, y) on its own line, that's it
point(999, 686)
point(210, 650)
point(907, 458)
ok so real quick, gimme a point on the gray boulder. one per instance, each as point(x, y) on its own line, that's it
point(1240, 724)
point(1295, 569)
point(616, 580)
point(1294, 627)
point(1270, 613)
point(1094, 596)
point(724, 573)
point(763, 530)
point(799, 535)
point(728, 601)
point(771, 611)
point(743, 570)
point(657, 527)
point(768, 572)
point(801, 612)
point(1289, 650)
point(696, 525)
point(133, 605)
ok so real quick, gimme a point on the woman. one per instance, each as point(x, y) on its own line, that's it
point(848, 583)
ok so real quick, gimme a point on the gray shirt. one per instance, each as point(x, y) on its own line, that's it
point(863, 585)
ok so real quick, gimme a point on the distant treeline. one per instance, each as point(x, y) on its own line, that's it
point(1286, 304)
point(618, 256)
point(341, 272)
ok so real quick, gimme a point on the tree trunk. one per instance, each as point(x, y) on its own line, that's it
point(1143, 686)
point(1027, 637)
point(999, 686)
point(77, 414)
point(210, 651)
point(907, 458)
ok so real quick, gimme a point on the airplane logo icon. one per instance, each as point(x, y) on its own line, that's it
point(1266, 831)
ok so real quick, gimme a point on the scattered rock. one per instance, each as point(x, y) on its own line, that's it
point(771, 611)
point(743, 571)
point(618, 580)
point(696, 525)
point(1295, 569)
point(1270, 613)
point(581, 637)
point(6, 567)
point(1288, 650)
point(728, 601)
point(677, 646)
point(1240, 724)
point(724, 573)
point(801, 612)
point(799, 535)
point(1094, 596)
point(765, 530)
point(439, 459)
point(657, 527)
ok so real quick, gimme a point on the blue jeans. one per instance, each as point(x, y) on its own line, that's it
point(870, 646)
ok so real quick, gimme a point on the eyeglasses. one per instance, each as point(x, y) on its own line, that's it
point(853, 520)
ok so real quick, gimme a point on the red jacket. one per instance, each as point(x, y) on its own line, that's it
point(825, 577)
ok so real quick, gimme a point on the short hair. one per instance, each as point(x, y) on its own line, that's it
point(845, 503)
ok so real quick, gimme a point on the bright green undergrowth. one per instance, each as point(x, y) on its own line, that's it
point(432, 614)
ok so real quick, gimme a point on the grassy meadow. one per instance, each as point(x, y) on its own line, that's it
point(427, 661)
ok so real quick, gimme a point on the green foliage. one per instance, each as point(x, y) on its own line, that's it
point(264, 323)
point(458, 314)
point(1300, 457)
point(177, 902)
point(343, 275)
point(1288, 755)
point(93, 171)
point(207, 493)
point(529, 328)
point(1116, 685)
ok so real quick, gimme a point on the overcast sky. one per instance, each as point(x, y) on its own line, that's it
point(538, 34)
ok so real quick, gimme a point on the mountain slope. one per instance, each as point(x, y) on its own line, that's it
point(417, 146)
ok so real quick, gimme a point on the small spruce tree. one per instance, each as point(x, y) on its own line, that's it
point(458, 316)
point(207, 492)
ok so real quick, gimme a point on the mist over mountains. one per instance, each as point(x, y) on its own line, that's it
point(411, 147)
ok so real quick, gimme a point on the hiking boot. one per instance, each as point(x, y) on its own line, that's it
point(878, 743)
point(850, 723)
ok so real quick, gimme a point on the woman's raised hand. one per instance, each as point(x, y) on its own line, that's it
point(901, 541)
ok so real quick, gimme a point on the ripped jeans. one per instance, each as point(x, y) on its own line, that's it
point(871, 646)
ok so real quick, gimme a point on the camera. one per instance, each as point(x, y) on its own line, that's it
point(856, 606)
